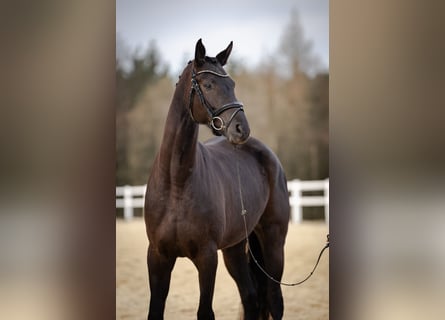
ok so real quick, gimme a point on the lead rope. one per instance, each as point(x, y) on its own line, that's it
point(243, 214)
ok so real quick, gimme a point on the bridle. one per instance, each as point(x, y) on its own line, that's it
point(214, 114)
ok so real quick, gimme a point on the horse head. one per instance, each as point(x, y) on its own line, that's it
point(212, 98)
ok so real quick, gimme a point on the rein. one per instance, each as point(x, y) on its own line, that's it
point(214, 114)
point(243, 214)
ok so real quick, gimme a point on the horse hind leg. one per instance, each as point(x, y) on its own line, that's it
point(259, 277)
point(159, 273)
point(273, 253)
point(271, 232)
point(236, 262)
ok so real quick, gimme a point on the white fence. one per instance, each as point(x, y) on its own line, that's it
point(129, 197)
point(297, 200)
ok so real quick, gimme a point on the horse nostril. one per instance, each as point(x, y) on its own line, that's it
point(240, 133)
point(239, 128)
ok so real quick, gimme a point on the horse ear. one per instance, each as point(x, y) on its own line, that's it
point(200, 53)
point(224, 55)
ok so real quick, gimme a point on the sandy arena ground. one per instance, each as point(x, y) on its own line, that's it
point(309, 301)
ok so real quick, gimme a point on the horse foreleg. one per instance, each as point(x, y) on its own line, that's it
point(206, 261)
point(236, 262)
point(159, 272)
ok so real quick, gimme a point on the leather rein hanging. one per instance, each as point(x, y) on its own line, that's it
point(214, 114)
point(262, 268)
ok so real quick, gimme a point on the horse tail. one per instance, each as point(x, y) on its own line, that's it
point(258, 277)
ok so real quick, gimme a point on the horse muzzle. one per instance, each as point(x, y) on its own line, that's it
point(238, 133)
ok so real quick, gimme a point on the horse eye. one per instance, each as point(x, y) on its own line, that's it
point(208, 85)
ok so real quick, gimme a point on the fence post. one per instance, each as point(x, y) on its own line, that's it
point(128, 203)
point(326, 200)
point(296, 210)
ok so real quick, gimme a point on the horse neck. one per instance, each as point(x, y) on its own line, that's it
point(179, 144)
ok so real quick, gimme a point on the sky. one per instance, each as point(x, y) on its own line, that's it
point(255, 27)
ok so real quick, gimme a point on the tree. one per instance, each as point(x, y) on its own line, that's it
point(297, 50)
point(319, 125)
point(134, 74)
point(143, 70)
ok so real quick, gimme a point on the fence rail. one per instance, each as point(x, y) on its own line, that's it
point(130, 197)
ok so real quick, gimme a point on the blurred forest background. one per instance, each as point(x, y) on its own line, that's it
point(286, 104)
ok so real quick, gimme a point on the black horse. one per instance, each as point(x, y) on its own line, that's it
point(193, 201)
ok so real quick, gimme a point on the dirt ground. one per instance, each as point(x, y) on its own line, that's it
point(309, 301)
